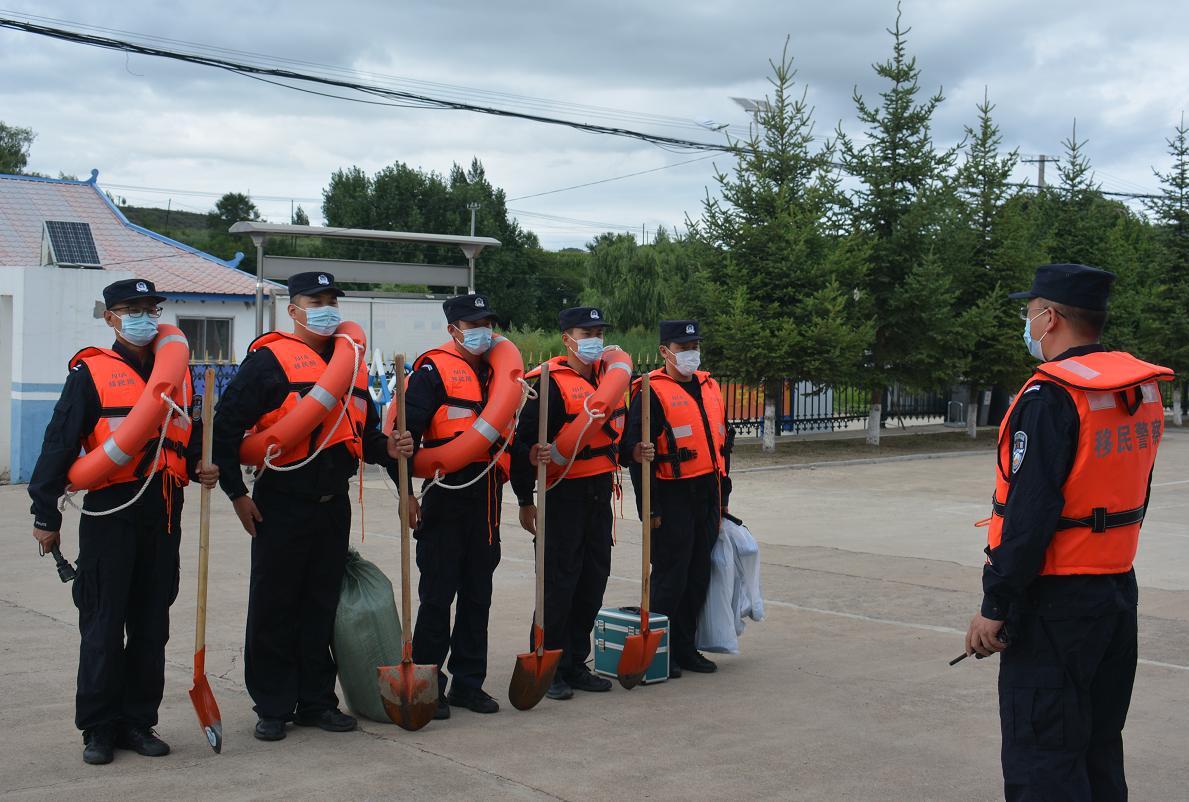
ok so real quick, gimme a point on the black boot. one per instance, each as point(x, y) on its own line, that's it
point(142, 741)
point(475, 700)
point(99, 746)
point(330, 719)
point(270, 729)
point(697, 663)
point(583, 680)
point(443, 711)
point(559, 689)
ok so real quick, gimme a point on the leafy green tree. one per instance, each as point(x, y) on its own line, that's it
point(15, 143)
point(781, 288)
point(300, 218)
point(903, 197)
point(232, 208)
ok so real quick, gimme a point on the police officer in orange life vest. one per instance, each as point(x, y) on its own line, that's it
point(1075, 460)
point(300, 519)
point(578, 515)
point(692, 445)
point(457, 531)
point(128, 560)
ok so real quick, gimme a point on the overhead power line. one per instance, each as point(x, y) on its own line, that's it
point(391, 96)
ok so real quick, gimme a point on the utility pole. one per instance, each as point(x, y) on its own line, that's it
point(474, 207)
point(1040, 162)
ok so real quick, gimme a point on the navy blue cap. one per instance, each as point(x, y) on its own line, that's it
point(312, 284)
point(1073, 285)
point(130, 289)
point(581, 317)
point(680, 331)
point(468, 307)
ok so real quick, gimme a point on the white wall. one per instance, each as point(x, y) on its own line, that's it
point(53, 316)
point(394, 325)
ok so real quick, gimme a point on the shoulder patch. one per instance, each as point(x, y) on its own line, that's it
point(1032, 389)
point(1019, 447)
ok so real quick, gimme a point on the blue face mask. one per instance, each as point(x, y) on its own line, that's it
point(322, 320)
point(477, 341)
point(1034, 344)
point(138, 328)
point(589, 349)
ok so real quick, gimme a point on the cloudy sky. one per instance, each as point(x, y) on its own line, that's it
point(161, 130)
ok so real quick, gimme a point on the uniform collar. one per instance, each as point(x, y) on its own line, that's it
point(143, 369)
point(1080, 350)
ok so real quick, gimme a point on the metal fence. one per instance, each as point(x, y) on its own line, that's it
point(800, 406)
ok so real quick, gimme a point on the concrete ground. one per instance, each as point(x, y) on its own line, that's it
point(843, 693)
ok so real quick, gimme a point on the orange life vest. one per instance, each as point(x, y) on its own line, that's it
point(119, 387)
point(599, 449)
point(465, 400)
point(693, 443)
point(303, 367)
point(1120, 425)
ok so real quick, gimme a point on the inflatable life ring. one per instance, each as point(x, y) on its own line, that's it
point(171, 362)
point(314, 405)
point(617, 377)
point(474, 444)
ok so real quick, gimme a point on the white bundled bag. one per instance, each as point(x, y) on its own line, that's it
point(716, 623)
point(747, 599)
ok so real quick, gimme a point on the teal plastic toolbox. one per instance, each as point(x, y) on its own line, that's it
point(612, 627)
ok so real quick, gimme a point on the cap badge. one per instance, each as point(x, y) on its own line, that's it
point(689, 328)
point(323, 280)
point(480, 303)
point(142, 287)
point(594, 314)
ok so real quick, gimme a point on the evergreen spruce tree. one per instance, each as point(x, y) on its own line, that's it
point(903, 198)
point(780, 290)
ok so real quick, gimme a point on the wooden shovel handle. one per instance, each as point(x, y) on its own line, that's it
point(542, 484)
point(402, 478)
point(646, 498)
point(204, 508)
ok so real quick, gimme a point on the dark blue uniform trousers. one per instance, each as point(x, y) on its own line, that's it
point(1064, 689)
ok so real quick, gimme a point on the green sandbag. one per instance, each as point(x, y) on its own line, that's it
point(366, 635)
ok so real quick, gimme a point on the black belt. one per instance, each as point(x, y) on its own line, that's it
point(1099, 520)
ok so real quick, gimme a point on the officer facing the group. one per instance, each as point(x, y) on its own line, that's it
point(457, 530)
point(691, 484)
point(1075, 460)
point(127, 560)
point(299, 514)
point(578, 513)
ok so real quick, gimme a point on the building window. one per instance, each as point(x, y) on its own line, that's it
point(209, 337)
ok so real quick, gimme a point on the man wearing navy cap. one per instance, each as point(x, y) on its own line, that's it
point(299, 512)
point(578, 516)
point(691, 441)
point(1074, 468)
point(457, 530)
point(128, 559)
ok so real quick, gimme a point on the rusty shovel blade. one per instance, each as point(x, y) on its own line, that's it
point(409, 692)
point(532, 675)
point(207, 709)
point(638, 654)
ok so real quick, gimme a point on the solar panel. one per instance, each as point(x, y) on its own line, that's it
point(72, 243)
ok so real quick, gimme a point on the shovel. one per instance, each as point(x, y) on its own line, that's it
point(409, 691)
point(639, 650)
point(201, 694)
point(534, 670)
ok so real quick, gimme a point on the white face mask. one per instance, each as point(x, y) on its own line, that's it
point(686, 362)
point(588, 349)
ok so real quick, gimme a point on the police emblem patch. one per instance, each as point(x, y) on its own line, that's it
point(324, 281)
point(1019, 447)
point(689, 329)
point(594, 314)
point(480, 303)
point(142, 287)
